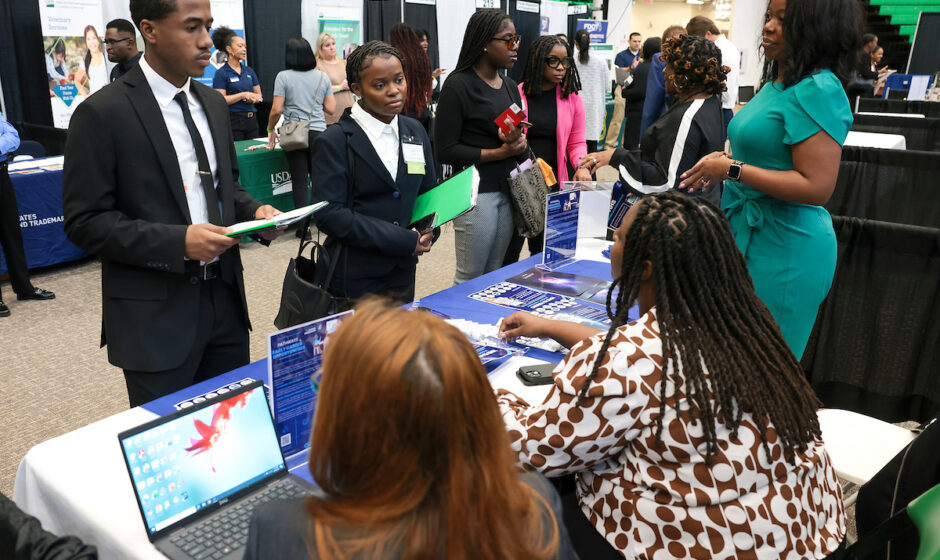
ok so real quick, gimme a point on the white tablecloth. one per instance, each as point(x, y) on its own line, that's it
point(902, 115)
point(876, 140)
point(77, 484)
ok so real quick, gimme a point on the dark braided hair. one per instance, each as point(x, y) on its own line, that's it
point(482, 27)
point(698, 61)
point(416, 65)
point(361, 58)
point(535, 67)
point(711, 321)
point(819, 34)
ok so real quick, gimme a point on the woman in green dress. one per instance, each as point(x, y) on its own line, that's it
point(787, 143)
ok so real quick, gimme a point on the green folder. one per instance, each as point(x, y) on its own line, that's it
point(450, 199)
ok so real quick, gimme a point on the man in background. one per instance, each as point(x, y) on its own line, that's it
point(656, 102)
point(11, 237)
point(730, 57)
point(120, 39)
point(627, 60)
point(152, 197)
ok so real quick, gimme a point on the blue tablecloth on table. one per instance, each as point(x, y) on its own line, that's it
point(39, 197)
point(453, 302)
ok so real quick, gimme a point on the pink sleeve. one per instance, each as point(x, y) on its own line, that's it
point(577, 147)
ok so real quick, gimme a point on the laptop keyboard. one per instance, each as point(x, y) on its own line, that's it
point(219, 536)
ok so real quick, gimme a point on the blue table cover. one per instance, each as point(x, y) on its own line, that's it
point(39, 198)
point(453, 302)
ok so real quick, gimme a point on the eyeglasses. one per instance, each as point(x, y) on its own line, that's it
point(112, 42)
point(511, 41)
point(555, 62)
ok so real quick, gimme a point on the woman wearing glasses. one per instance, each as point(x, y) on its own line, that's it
point(549, 92)
point(473, 96)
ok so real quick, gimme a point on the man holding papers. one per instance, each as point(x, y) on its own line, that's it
point(151, 194)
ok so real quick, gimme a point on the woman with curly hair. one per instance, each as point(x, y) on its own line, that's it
point(787, 144)
point(690, 129)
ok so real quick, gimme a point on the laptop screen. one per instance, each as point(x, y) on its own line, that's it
point(191, 460)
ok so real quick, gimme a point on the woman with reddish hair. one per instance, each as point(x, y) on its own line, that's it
point(411, 456)
point(417, 68)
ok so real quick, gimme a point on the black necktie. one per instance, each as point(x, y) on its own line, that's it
point(205, 171)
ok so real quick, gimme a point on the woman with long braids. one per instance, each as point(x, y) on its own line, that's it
point(549, 92)
point(417, 72)
point(787, 144)
point(474, 94)
point(690, 129)
point(692, 431)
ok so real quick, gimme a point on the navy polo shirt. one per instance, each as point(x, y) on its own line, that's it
point(625, 58)
point(226, 78)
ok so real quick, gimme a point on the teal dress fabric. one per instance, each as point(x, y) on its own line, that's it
point(790, 248)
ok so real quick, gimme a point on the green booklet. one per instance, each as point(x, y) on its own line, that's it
point(281, 220)
point(450, 199)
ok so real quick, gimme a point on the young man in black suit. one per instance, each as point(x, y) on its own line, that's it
point(150, 184)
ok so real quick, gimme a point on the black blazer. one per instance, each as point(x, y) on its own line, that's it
point(635, 93)
point(124, 201)
point(375, 230)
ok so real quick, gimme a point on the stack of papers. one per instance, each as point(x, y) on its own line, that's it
point(279, 221)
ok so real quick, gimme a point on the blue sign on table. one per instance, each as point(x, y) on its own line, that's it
point(295, 356)
point(561, 228)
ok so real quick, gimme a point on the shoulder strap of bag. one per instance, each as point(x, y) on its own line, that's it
point(317, 89)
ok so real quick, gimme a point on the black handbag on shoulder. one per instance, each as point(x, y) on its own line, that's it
point(305, 295)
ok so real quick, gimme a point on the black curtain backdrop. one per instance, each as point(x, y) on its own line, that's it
point(268, 26)
point(527, 25)
point(22, 65)
point(888, 185)
point(921, 134)
point(423, 16)
point(380, 16)
point(926, 108)
point(875, 348)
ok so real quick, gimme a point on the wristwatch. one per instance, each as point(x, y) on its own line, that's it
point(734, 172)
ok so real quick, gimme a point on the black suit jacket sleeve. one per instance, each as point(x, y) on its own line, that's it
point(245, 204)
point(89, 200)
point(331, 175)
point(23, 538)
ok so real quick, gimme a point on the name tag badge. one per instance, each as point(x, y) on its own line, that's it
point(234, 80)
point(414, 157)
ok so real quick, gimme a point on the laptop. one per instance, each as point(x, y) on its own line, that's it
point(199, 473)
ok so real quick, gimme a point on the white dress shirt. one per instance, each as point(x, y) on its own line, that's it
point(164, 92)
point(731, 58)
point(384, 137)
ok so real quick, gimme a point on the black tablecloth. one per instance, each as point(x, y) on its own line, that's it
point(921, 134)
point(875, 348)
point(888, 185)
point(878, 105)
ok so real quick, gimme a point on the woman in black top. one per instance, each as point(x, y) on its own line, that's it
point(473, 96)
point(635, 93)
point(693, 125)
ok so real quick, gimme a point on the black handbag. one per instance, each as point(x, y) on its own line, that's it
point(306, 295)
point(527, 190)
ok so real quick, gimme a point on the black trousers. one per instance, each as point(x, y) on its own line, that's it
point(591, 146)
point(515, 247)
point(244, 125)
point(11, 237)
point(300, 163)
point(221, 345)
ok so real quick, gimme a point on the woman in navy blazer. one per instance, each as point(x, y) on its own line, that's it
point(380, 250)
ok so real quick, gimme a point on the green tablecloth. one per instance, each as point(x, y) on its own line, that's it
point(265, 174)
